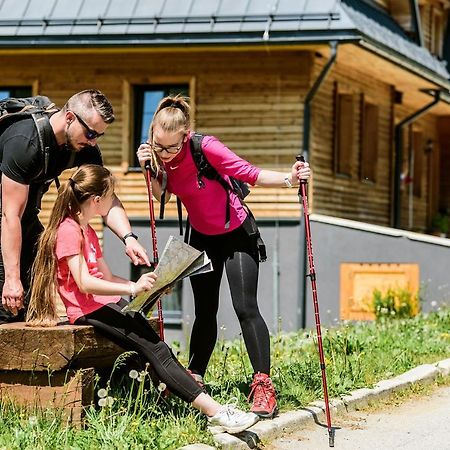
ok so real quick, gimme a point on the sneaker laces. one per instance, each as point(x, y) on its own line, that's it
point(261, 390)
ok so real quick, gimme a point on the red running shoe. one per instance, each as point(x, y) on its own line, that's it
point(264, 396)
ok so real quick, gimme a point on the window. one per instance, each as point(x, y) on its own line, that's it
point(146, 99)
point(171, 303)
point(15, 91)
point(343, 143)
point(369, 141)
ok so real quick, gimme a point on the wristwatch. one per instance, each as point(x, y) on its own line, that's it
point(130, 234)
point(287, 181)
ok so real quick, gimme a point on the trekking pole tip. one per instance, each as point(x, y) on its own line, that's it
point(331, 438)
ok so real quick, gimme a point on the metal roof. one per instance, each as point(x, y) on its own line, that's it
point(74, 23)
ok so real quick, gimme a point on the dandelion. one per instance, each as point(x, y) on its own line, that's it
point(162, 387)
point(133, 374)
point(102, 393)
point(109, 401)
point(102, 402)
point(33, 421)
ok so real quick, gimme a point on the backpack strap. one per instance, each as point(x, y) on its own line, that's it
point(205, 169)
point(162, 205)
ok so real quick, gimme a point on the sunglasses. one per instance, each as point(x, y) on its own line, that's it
point(89, 132)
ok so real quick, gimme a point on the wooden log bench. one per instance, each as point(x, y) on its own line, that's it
point(53, 367)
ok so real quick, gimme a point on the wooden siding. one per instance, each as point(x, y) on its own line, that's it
point(350, 197)
point(251, 101)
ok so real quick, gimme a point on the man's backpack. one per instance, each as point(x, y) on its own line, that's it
point(14, 109)
point(238, 187)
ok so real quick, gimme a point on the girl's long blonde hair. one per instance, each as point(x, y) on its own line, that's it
point(88, 181)
point(173, 114)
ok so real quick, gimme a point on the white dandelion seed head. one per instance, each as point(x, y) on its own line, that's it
point(109, 401)
point(33, 420)
point(133, 374)
point(102, 393)
point(102, 402)
point(162, 387)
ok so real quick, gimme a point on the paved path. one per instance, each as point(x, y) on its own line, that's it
point(420, 423)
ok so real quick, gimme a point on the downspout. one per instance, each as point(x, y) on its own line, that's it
point(399, 155)
point(301, 309)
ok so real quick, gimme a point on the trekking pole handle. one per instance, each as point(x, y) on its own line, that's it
point(301, 158)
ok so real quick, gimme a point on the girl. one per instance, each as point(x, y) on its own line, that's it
point(221, 233)
point(69, 260)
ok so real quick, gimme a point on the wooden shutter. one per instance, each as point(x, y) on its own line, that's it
point(417, 146)
point(344, 134)
point(369, 141)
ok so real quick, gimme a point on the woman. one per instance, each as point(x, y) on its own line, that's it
point(224, 238)
point(69, 260)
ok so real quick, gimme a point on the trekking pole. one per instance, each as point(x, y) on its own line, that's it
point(154, 241)
point(302, 192)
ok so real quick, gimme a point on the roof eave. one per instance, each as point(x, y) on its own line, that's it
point(167, 40)
point(415, 67)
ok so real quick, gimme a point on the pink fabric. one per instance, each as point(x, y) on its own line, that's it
point(68, 243)
point(206, 207)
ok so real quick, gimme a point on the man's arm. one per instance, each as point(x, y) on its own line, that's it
point(14, 200)
point(118, 222)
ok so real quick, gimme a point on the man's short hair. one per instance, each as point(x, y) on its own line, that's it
point(89, 99)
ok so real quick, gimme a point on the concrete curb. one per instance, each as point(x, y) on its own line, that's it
point(290, 421)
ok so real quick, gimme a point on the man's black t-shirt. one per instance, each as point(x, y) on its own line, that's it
point(22, 158)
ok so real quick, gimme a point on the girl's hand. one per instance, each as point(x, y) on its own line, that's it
point(145, 283)
point(144, 153)
point(300, 170)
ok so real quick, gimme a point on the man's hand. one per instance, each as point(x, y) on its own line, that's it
point(12, 296)
point(136, 252)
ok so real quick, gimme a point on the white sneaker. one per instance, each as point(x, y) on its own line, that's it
point(231, 420)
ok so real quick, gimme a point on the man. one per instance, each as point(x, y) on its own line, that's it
point(75, 131)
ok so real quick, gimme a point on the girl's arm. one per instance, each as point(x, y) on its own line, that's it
point(107, 274)
point(89, 284)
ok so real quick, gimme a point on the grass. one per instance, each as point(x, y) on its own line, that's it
point(134, 415)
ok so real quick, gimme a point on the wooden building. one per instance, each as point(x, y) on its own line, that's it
point(359, 86)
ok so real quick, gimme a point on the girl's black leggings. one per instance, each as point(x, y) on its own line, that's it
point(237, 251)
point(132, 331)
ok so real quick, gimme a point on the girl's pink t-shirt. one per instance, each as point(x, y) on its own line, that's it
point(207, 206)
point(68, 243)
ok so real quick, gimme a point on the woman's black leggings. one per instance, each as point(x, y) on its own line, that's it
point(238, 253)
point(132, 331)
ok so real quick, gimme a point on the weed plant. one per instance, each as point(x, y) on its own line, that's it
point(132, 414)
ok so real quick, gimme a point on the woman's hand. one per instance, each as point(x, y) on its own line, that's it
point(144, 153)
point(145, 283)
point(300, 171)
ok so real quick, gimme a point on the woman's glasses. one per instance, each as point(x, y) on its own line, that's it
point(172, 149)
point(89, 132)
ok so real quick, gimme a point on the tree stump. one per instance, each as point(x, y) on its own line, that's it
point(53, 367)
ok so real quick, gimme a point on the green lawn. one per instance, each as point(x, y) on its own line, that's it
point(135, 417)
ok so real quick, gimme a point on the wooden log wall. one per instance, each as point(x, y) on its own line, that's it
point(350, 197)
point(251, 101)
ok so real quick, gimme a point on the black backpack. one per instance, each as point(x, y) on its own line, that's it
point(240, 188)
point(14, 109)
